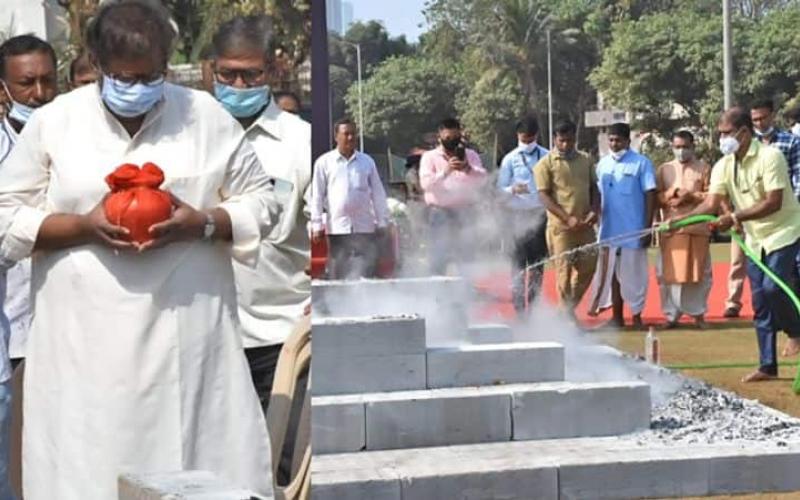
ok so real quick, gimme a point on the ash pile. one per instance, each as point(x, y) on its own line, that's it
point(700, 413)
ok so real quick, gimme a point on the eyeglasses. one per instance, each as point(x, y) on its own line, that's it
point(123, 82)
point(250, 77)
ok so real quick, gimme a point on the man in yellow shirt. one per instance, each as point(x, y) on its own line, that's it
point(567, 185)
point(754, 177)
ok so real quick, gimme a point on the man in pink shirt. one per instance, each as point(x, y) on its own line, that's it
point(451, 177)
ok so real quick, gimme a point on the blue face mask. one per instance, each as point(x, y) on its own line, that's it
point(242, 103)
point(129, 101)
point(19, 112)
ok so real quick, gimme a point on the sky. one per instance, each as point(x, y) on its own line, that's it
point(400, 17)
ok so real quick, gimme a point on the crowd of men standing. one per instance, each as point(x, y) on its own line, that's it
point(554, 202)
point(153, 370)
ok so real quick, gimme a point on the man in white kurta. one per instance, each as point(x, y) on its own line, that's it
point(135, 361)
point(273, 294)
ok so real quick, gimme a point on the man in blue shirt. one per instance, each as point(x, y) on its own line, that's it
point(627, 184)
point(526, 216)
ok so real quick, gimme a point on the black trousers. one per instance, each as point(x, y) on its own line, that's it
point(262, 361)
point(352, 256)
point(529, 228)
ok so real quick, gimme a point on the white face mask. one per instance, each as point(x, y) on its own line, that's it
point(682, 154)
point(617, 155)
point(796, 129)
point(765, 133)
point(19, 112)
point(528, 148)
point(728, 145)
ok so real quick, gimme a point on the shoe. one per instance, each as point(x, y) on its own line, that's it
point(669, 325)
point(731, 313)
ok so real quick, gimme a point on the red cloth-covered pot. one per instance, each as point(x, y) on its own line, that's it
point(135, 202)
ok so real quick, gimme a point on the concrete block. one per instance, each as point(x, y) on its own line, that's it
point(338, 428)
point(495, 364)
point(442, 301)
point(368, 336)
point(489, 334)
point(435, 419)
point(541, 484)
point(184, 485)
point(359, 484)
point(650, 477)
point(754, 471)
point(356, 374)
point(578, 410)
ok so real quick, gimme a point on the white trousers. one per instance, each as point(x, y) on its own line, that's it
point(685, 298)
point(630, 269)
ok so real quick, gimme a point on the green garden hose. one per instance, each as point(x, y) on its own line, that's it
point(700, 219)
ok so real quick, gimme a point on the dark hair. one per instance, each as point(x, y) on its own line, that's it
point(130, 29)
point(449, 124)
point(738, 117)
point(22, 45)
point(341, 122)
point(252, 32)
point(80, 64)
point(280, 94)
point(685, 135)
point(763, 104)
point(565, 128)
point(794, 114)
point(528, 125)
point(620, 130)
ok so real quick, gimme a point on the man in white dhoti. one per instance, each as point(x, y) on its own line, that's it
point(627, 186)
point(134, 359)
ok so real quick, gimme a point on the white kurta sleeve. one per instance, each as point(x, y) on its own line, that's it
point(24, 177)
point(249, 199)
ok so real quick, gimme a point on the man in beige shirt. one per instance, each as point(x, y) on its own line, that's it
point(567, 185)
point(684, 270)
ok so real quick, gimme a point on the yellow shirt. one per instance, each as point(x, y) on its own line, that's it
point(569, 182)
point(762, 170)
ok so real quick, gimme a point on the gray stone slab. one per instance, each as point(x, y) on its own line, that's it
point(491, 364)
point(754, 472)
point(600, 468)
point(357, 374)
point(363, 484)
point(489, 333)
point(186, 485)
point(368, 336)
point(442, 301)
point(438, 419)
point(338, 428)
point(653, 478)
point(580, 410)
point(488, 483)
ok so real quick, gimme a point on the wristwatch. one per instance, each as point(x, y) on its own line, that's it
point(209, 228)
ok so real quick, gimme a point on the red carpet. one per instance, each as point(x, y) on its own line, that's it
point(497, 296)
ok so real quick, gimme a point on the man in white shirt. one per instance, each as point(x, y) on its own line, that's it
point(28, 76)
point(272, 295)
point(347, 188)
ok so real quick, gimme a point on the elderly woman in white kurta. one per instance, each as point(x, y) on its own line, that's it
point(134, 361)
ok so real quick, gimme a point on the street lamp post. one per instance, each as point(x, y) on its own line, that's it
point(549, 95)
point(727, 54)
point(360, 97)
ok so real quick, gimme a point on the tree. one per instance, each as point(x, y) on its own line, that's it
point(491, 109)
point(404, 99)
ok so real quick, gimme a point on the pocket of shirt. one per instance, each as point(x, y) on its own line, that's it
point(358, 179)
point(627, 183)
